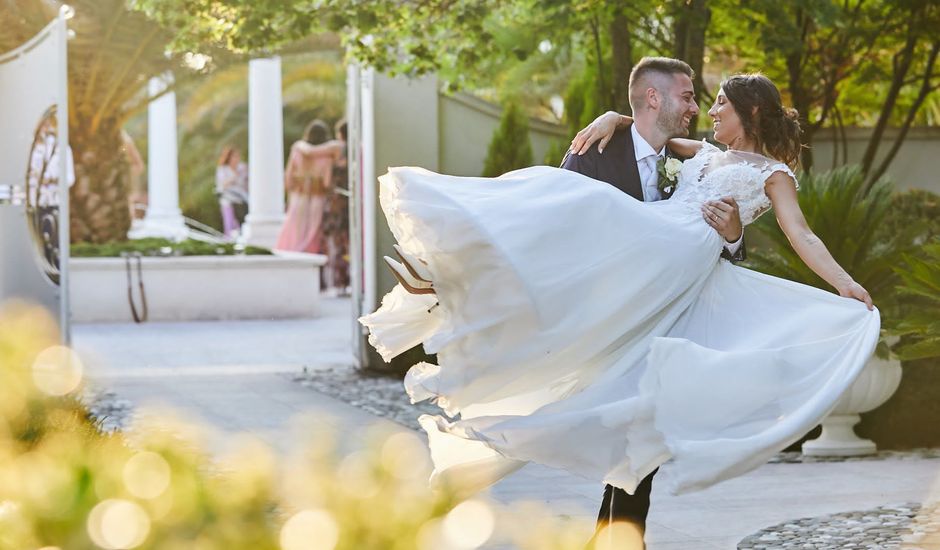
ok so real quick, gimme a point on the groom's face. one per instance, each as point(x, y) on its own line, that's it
point(678, 106)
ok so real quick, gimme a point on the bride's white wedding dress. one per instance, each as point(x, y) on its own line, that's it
point(582, 329)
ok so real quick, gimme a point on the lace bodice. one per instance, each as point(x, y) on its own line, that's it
point(713, 173)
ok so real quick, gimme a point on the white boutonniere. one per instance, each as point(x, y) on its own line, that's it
point(668, 171)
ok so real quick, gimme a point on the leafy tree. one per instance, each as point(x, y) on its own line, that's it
point(692, 19)
point(510, 148)
point(835, 56)
point(467, 42)
point(862, 62)
point(913, 71)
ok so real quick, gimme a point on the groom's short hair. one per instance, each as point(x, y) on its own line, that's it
point(644, 73)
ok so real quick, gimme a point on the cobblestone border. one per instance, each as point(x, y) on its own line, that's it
point(796, 457)
point(909, 526)
point(112, 413)
point(375, 393)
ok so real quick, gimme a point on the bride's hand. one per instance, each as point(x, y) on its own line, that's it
point(857, 291)
point(602, 128)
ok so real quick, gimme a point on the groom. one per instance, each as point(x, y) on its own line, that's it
point(663, 101)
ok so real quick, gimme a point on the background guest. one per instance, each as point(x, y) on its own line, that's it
point(231, 186)
point(307, 179)
point(336, 217)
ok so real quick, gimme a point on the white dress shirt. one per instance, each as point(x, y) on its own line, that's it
point(646, 159)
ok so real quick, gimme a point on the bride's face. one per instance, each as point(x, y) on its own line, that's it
point(728, 127)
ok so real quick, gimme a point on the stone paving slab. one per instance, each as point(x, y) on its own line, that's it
point(272, 345)
point(266, 405)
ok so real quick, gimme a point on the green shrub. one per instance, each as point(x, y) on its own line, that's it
point(510, 148)
point(909, 418)
point(162, 247)
point(556, 153)
point(919, 324)
point(915, 209)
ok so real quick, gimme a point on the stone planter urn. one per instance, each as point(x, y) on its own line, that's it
point(876, 383)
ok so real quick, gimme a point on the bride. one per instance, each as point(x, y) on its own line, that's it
point(580, 328)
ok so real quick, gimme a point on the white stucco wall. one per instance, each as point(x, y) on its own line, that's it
point(915, 165)
point(467, 125)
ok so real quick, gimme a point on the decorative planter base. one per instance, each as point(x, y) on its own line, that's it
point(284, 286)
point(876, 383)
point(839, 439)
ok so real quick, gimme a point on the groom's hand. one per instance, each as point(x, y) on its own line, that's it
point(723, 215)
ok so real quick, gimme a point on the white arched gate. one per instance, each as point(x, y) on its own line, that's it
point(34, 157)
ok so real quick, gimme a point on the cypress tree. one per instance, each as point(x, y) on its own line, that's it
point(510, 147)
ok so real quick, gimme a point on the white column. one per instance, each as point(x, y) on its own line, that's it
point(369, 191)
point(353, 163)
point(265, 153)
point(163, 217)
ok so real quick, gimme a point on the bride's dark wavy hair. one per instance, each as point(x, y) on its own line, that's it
point(775, 128)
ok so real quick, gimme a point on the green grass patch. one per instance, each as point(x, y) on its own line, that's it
point(163, 247)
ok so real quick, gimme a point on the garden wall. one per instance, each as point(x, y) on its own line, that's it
point(466, 128)
point(913, 167)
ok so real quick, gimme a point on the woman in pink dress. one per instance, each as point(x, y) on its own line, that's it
point(308, 181)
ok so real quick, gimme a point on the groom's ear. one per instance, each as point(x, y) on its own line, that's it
point(652, 98)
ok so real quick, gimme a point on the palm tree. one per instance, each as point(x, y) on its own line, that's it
point(112, 53)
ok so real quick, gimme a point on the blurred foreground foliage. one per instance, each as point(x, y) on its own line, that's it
point(65, 484)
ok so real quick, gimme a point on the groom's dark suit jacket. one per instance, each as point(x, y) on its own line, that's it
point(618, 167)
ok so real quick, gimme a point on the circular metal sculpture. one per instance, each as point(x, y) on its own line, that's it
point(42, 193)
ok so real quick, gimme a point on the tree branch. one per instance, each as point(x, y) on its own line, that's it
point(925, 89)
point(601, 85)
point(901, 64)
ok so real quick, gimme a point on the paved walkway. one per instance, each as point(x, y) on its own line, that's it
point(235, 376)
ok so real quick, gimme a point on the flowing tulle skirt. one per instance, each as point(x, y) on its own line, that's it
point(585, 330)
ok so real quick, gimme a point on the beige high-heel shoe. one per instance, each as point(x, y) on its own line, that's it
point(409, 282)
point(415, 266)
